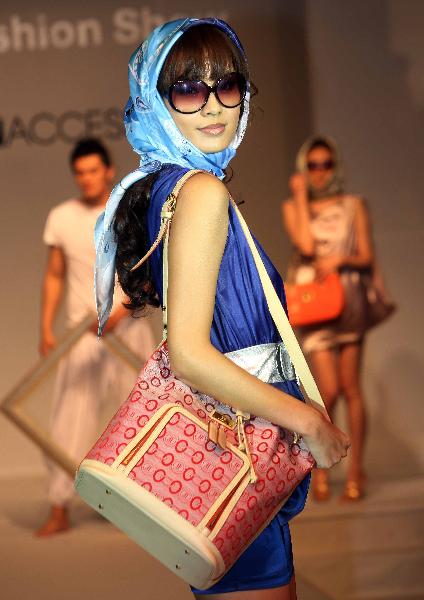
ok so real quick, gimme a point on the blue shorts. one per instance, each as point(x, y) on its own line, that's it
point(267, 563)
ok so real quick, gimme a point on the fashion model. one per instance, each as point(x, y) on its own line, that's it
point(331, 233)
point(188, 109)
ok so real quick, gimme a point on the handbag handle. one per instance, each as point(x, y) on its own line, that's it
point(276, 309)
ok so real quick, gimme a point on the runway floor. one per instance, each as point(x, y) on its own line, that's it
point(369, 551)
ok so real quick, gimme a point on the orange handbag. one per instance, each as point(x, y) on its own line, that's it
point(315, 302)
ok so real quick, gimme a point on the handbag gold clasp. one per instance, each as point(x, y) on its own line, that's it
point(217, 426)
point(296, 439)
point(223, 419)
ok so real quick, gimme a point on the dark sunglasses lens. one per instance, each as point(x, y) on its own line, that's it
point(231, 90)
point(188, 96)
point(323, 166)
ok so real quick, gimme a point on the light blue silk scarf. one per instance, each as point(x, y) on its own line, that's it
point(153, 134)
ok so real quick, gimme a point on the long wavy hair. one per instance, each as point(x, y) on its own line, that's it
point(202, 51)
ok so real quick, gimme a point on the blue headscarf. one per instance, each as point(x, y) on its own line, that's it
point(153, 134)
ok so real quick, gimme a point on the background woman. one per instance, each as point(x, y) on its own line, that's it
point(188, 109)
point(330, 231)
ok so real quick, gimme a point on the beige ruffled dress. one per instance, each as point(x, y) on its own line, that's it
point(333, 231)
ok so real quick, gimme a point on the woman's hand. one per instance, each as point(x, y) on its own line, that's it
point(325, 266)
point(296, 218)
point(298, 185)
point(47, 343)
point(326, 442)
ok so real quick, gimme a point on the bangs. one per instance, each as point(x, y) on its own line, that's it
point(327, 145)
point(202, 52)
point(320, 143)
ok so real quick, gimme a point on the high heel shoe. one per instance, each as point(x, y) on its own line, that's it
point(354, 489)
point(320, 487)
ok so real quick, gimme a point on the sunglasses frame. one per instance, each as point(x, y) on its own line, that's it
point(210, 89)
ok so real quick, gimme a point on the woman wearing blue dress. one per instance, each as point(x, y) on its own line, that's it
point(188, 109)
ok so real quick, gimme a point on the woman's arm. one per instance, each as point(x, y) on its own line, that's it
point(295, 213)
point(364, 256)
point(197, 242)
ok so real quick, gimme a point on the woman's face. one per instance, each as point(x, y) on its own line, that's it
point(320, 165)
point(212, 128)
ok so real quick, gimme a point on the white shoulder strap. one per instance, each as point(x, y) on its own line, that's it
point(282, 323)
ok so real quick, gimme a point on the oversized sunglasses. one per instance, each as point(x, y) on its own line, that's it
point(188, 96)
point(326, 165)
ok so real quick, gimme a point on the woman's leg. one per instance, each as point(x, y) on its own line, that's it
point(324, 366)
point(285, 592)
point(292, 587)
point(349, 369)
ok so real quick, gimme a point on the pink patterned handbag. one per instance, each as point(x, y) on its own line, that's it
point(189, 479)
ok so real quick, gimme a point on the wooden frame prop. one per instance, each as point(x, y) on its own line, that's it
point(12, 404)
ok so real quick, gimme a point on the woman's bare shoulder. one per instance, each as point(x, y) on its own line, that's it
point(359, 203)
point(205, 191)
point(357, 199)
point(202, 206)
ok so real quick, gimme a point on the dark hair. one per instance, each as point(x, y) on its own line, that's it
point(87, 146)
point(320, 143)
point(201, 51)
point(130, 228)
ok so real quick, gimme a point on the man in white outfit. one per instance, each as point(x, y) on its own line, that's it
point(88, 371)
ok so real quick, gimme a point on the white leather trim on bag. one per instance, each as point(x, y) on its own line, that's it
point(159, 422)
point(134, 496)
point(140, 435)
point(222, 497)
point(225, 513)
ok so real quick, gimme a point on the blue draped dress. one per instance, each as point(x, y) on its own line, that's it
point(241, 319)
